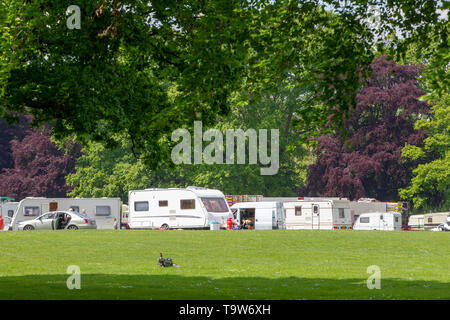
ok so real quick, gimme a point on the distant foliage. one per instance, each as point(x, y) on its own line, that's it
point(430, 186)
point(7, 134)
point(39, 167)
point(381, 124)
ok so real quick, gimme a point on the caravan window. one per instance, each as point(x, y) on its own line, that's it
point(364, 220)
point(316, 209)
point(187, 204)
point(430, 220)
point(163, 203)
point(298, 211)
point(31, 211)
point(102, 210)
point(396, 219)
point(141, 206)
point(10, 213)
point(341, 213)
point(215, 204)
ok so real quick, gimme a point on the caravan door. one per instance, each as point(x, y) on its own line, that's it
point(263, 218)
point(315, 216)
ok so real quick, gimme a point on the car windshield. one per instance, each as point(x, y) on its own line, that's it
point(215, 204)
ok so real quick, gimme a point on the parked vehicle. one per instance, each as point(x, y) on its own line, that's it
point(7, 209)
point(103, 210)
point(265, 215)
point(379, 221)
point(124, 217)
point(193, 207)
point(433, 220)
point(416, 222)
point(318, 214)
point(59, 220)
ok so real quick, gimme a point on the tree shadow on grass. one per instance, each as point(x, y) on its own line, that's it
point(177, 287)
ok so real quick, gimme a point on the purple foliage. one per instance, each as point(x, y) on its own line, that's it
point(39, 167)
point(379, 127)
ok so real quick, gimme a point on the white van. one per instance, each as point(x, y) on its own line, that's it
point(190, 208)
point(103, 210)
point(379, 221)
point(264, 215)
point(318, 214)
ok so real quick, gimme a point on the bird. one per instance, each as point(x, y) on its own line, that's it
point(166, 262)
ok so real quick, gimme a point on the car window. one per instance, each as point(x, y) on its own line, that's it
point(49, 215)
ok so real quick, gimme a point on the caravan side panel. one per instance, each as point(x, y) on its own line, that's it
point(103, 210)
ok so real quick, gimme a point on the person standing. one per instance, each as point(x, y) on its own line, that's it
point(116, 224)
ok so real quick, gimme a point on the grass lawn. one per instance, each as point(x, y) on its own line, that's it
point(280, 264)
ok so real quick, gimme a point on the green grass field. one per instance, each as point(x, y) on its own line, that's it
point(276, 265)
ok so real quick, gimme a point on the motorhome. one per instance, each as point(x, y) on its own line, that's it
point(416, 222)
point(103, 210)
point(177, 208)
point(433, 220)
point(318, 214)
point(264, 215)
point(379, 221)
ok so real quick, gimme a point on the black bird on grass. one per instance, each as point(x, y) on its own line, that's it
point(163, 262)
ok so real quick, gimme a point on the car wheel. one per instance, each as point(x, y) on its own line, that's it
point(123, 227)
point(72, 227)
point(165, 226)
point(28, 227)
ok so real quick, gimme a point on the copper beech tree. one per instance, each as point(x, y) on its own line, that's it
point(379, 127)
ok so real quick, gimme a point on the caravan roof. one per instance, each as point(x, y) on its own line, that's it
point(200, 191)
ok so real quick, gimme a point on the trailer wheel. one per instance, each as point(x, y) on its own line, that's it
point(28, 227)
point(165, 226)
point(72, 227)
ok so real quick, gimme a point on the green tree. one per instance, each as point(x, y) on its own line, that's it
point(100, 172)
point(113, 75)
point(430, 186)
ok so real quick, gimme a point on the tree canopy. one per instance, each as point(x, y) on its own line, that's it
point(113, 75)
point(430, 185)
point(39, 166)
point(378, 129)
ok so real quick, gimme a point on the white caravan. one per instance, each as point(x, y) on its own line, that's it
point(103, 210)
point(379, 221)
point(318, 214)
point(266, 215)
point(433, 220)
point(7, 210)
point(193, 207)
point(416, 222)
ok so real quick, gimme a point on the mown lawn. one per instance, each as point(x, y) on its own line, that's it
point(276, 265)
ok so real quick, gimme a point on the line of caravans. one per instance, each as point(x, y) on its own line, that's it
point(199, 208)
point(315, 213)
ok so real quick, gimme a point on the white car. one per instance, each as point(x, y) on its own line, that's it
point(442, 227)
point(58, 220)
